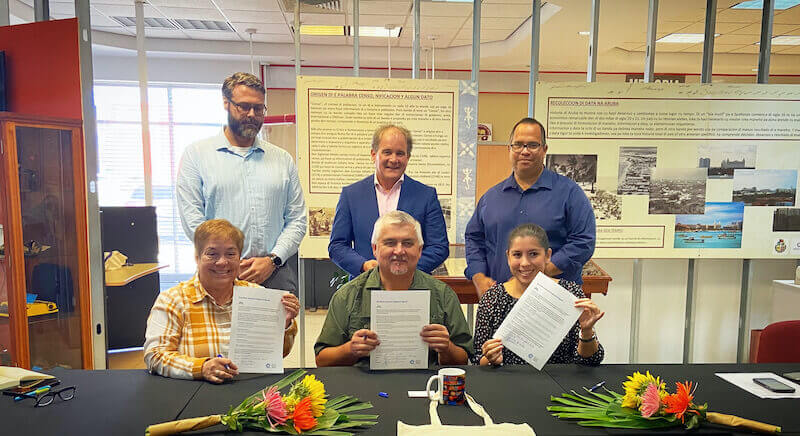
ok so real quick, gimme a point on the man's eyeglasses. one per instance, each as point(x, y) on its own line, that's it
point(47, 398)
point(257, 108)
point(518, 146)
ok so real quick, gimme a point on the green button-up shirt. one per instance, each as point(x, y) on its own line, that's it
point(349, 311)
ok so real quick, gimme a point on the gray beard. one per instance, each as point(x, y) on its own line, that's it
point(243, 129)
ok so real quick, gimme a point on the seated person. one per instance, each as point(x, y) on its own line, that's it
point(528, 253)
point(190, 324)
point(345, 338)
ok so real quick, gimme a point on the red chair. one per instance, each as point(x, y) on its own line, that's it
point(779, 343)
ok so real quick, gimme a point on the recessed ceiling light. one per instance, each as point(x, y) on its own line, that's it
point(759, 4)
point(384, 32)
point(684, 38)
point(786, 40)
point(584, 33)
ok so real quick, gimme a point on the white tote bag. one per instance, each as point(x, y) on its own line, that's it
point(435, 428)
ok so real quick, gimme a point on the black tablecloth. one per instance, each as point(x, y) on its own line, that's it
point(126, 402)
point(118, 402)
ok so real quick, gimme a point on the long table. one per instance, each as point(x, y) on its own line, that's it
point(126, 401)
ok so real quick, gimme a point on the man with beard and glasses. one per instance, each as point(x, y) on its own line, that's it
point(249, 182)
point(397, 244)
point(361, 203)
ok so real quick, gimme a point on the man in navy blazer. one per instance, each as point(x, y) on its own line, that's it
point(361, 203)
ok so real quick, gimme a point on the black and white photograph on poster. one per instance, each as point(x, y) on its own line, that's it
point(721, 159)
point(786, 220)
point(635, 166)
point(320, 221)
point(765, 187)
point(678, 191)
point(446, 211)
point(606, 205)
point(581, 168)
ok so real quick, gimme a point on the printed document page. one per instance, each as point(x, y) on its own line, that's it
point(257, 326)
point(539, 321)
point(398, 317)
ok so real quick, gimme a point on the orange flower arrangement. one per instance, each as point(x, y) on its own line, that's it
point(302, 417)
point(679, 402)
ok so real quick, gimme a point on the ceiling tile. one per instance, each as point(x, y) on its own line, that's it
point(486, 34)
point(736, 39)
point(755, 29)
point(126, 10)
point(793, 49)
point(739, 16)
point(669, 26)
point(247, 5)
point(320, 19)
point(164, 33)
point(631, 46)
point(501, 23)
point(522, 11)
point(99, 20)
point(192, 13)
point(213, 36)
point(441, 22)
point(382, 20)
point(789, 16)
point(671, 47)
point(272, 38)
point(385, 7)
point(722, 28)
point(255, 17)
point(444, 9)
point(746, 49)
point(262, 27)
point(116, 30)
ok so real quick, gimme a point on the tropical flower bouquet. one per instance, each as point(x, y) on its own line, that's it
point(303, 410)
point(646, 404)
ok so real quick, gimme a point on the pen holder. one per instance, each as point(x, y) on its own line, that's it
point(452, 385)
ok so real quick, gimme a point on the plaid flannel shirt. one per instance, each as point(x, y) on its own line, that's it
point(186, 327)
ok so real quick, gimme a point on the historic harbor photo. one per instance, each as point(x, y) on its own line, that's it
point(581, 168)
point(606, 205)
point(786, 220)
point(722, 159)
point(320, 221)
point(635, 167)
point(719, 227)
point(765, 187)
point(678, 191)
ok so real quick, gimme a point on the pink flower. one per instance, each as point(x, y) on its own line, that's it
point(651, 402)
point(275, 407)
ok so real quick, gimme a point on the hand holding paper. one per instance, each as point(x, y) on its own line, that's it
point(257, 325)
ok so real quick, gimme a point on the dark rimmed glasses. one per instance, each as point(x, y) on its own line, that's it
point(47, 398)
point(245, 108)
point(516, 147)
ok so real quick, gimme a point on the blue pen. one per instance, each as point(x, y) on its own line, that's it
point(41, 390)
point(597, 386)
point(226, 366)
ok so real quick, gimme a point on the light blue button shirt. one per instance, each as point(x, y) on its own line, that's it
point(259, 193)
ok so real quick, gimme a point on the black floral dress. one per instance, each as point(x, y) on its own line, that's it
point(493, 308)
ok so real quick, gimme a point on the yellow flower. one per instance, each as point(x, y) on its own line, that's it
point(636, 386)
point(309, 387)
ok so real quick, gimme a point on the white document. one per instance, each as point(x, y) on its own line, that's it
point(257, 326)
point(398, 317)
point(745, 381)
point(539, 321)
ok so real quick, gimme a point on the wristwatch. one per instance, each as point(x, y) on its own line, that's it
point(275, 259)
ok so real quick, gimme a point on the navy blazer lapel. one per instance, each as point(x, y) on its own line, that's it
point(367, 193)
point(407, 194)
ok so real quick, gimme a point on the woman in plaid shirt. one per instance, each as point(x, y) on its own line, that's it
point(190, 324)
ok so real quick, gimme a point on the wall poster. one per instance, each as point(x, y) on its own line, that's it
point(680, 170)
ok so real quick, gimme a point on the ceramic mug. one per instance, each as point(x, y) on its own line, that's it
point(452, 385)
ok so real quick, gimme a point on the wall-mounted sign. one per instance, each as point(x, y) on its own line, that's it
point(657, 78)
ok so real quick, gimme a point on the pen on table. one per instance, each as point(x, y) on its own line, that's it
point(597, 386)
point(226, 366)
point(41, 390)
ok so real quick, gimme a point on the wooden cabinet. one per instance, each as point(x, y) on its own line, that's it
point(45, 318)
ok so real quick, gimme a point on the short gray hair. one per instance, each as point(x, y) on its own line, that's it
point(396, 218)
point(376, 137)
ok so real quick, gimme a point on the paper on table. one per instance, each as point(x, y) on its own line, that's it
point(745, 381)
point(257, 326)
point(539, 321)
point(398, 317)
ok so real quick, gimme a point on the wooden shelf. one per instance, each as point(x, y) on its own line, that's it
point(127, 274)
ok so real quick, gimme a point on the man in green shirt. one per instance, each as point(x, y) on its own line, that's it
point(345, 338)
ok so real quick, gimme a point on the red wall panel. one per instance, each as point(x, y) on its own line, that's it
point(43, 68)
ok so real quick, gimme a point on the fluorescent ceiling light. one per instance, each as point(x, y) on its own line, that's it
point(306, 29)
point(584, 33)
point(759, 4)
point(684, 38)
point(376, 31)
point(786, 40)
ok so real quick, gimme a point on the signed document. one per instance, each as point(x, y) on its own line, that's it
point(257, 326)
point(398, 317)
point(539, 321)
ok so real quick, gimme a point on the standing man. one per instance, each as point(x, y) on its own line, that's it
point(397, 243)
point(249, 182)
point(532, 194)
point(361, 203)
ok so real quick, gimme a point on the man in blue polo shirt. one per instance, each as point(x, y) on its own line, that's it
point(532, 194)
